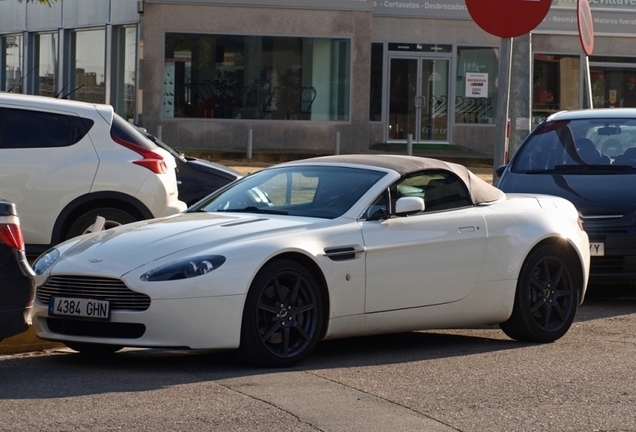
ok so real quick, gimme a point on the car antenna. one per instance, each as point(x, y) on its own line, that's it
point(70, 93)
point(22, 79)
point(64, 88)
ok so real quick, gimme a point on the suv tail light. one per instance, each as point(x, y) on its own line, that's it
point(11, 235)
point(10, 232)
point(151, 160)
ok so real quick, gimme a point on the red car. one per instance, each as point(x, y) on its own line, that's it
point(17, 280)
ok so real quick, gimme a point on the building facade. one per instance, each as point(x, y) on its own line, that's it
point(293, 75)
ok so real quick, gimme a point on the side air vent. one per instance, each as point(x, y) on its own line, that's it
point(343, 253)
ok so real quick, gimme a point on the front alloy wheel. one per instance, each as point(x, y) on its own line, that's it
point(283, 316)
point(547, 297)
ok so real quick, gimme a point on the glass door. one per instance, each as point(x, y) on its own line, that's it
point(418, 99)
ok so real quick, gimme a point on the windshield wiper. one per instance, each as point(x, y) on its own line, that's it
point(596, 168)
point(254, 209)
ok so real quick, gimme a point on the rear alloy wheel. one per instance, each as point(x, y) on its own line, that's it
point(283, 316)
point(114, 217)
point(547, 297)
point(93, 349)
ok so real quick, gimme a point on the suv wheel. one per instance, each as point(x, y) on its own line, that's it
point(114, 217)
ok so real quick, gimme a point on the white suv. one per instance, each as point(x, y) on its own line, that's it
point(63, 163)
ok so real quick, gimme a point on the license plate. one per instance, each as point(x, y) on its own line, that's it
point(79, 307)
point(597, 249)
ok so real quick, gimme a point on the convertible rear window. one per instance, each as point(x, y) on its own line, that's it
point(296, 190)
point(587, 145)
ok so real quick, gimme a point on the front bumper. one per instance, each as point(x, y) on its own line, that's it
point(196, 323)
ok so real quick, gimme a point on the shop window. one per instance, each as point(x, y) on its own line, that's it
point(555, 85)
point(88, 54)
point(476, 99)
point(47, 66)
point(11, 51)
point(256, 77)
point(377, 58)
point(613, 81)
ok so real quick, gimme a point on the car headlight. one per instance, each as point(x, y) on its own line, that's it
point(184, 269)
point(45, 261)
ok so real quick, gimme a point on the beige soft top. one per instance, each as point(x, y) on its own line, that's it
point(480, 190)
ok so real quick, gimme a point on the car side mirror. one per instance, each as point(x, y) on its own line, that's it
point(408, 205)
point(500, 170)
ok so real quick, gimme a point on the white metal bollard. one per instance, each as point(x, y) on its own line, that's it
point(249, 143)
point(336, 149)
point(409, 144)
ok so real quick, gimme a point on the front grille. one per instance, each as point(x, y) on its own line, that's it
point(613, 265)
point(96, 288)
point(76, 327)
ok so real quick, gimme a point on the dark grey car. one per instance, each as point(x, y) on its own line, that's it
point(17, 280)
point(589, 158)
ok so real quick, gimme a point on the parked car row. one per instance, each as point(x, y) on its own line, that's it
point(272, 263)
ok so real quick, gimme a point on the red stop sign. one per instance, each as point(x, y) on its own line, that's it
point(508, 18)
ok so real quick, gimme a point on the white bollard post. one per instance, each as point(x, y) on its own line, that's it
point(336, 149)
point(159, 130)
point(249, 143)
point(409, 144)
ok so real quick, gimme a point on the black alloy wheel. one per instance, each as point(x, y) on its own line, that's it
point(547, 296)
point(283, 316)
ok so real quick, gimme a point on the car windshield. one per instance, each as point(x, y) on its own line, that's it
point(586, 145)
point(296, 190)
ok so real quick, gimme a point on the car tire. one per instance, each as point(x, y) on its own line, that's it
point(283, 316)
point(547, 296)
point(114, 217)
point(93, 349)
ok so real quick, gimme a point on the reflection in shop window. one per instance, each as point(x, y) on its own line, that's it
point(613, 81)
point(555, 85)
point(125, 75)
point(11, 49)
point(257, 77)
point(46, 69)
point(88, 67)
point(476, 99)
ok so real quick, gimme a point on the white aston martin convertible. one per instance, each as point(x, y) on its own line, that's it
point(323, 248)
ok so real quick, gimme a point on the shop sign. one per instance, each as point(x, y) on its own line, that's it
point(476, 85)
point(357, 5)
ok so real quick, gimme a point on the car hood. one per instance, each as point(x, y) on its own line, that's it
point(119, 250)
point(597, 194)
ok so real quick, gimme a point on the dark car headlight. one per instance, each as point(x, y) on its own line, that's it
point(45, 261)
point(184, 269)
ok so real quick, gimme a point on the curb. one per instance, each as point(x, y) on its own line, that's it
point(25, 342)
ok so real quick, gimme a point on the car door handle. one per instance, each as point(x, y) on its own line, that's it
point(466, 229)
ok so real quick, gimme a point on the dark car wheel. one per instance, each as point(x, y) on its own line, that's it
point(547, 297)
point(114, 217)
point(93, 349)
point(283, 316)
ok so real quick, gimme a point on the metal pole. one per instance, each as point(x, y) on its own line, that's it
point(159, 132)
point(409, 144)
point(503, 103)
point(249, 143)
point(520, 93)
point(336, 149)
point(588, 81)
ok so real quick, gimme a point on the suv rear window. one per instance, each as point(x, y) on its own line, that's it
point(123, 130)
point(35, 129)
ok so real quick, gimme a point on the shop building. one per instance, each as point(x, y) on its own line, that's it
point(294, 74)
